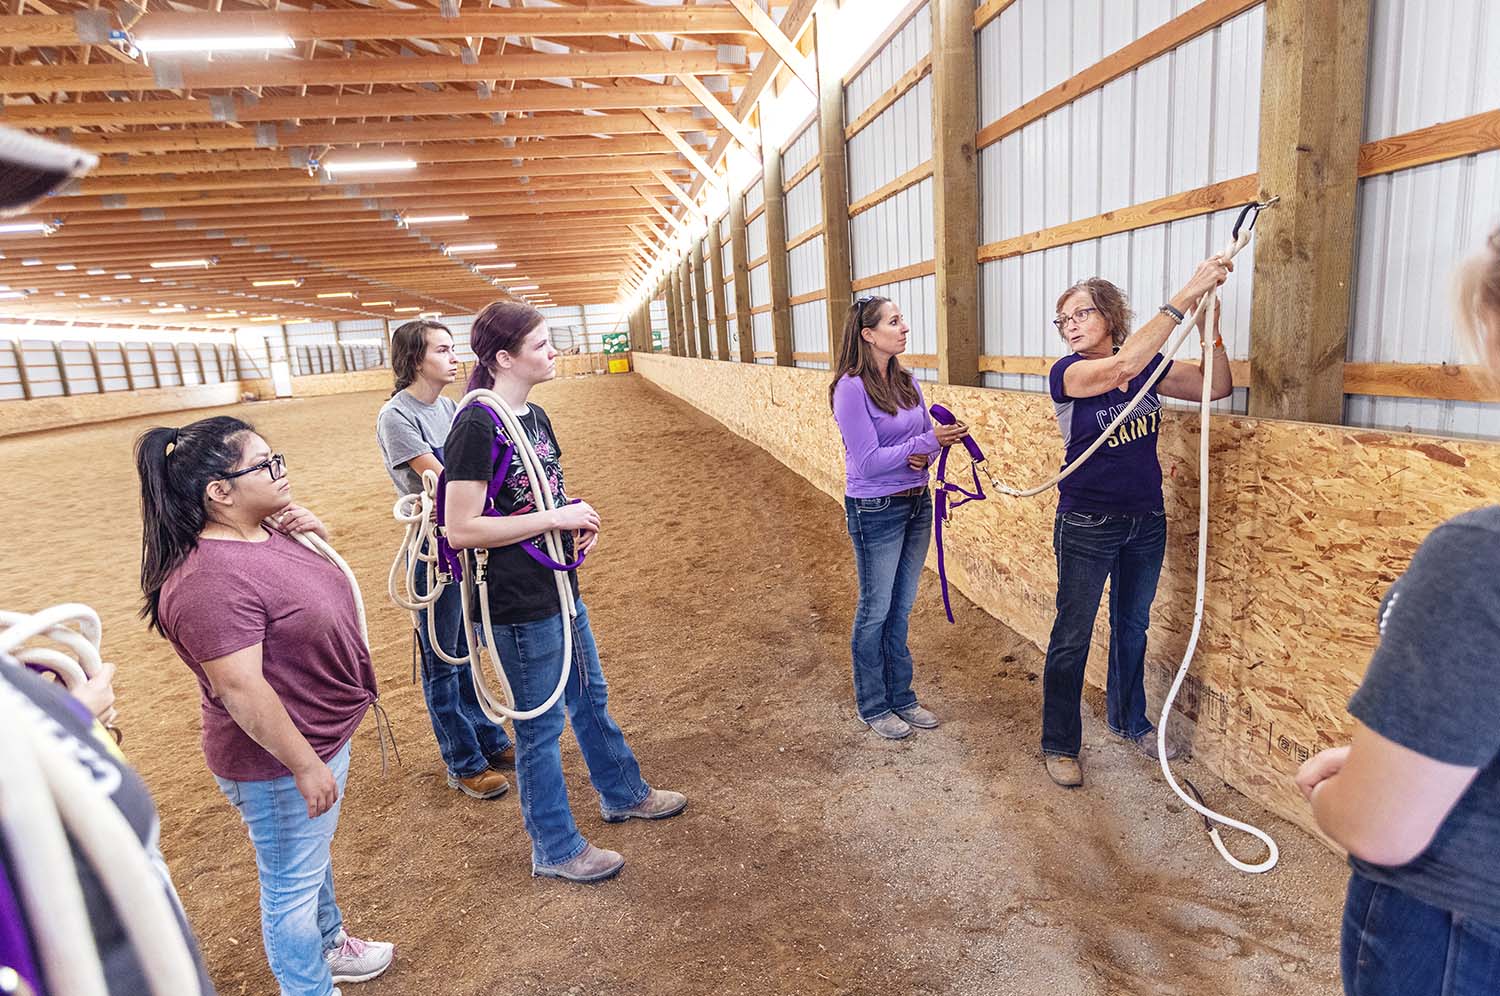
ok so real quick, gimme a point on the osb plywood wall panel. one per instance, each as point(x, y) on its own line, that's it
point(1308, 527)
point(57, 413)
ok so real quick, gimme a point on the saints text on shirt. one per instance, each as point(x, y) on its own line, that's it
point(1146, 421)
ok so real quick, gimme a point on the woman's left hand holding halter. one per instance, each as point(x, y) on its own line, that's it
point(296, 519)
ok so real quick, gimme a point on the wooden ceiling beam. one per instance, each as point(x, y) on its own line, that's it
point(241, 109)
point(192, 139)
point(42, 31)
point(279, 72)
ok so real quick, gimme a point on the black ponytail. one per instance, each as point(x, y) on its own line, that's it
point(175, 467)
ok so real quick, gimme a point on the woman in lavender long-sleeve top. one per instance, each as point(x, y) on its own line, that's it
point(888, 442)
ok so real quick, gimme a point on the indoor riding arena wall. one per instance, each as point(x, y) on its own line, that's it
point(1309, 526)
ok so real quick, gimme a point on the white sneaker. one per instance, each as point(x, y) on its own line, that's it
point(355, 960)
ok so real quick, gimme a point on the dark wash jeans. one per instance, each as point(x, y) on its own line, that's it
point(1128, 550)
point(890, 545)
point(466, 737)
point(1397, 945)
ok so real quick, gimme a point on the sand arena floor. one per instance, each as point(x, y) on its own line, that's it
point(813, 859)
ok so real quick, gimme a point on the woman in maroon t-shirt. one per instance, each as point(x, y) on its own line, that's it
point(271, 631)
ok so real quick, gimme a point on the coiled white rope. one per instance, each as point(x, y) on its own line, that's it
point(72, 670)
point(1209, 301)
point(43, 793)
point(476, 563)
point(419, 551)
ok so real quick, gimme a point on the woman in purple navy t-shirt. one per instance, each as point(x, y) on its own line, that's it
point(271, 631)
point(888, 442)
point(1110, 519)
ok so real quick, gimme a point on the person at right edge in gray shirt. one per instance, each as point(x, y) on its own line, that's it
point(411, 428)
point(1416, 797)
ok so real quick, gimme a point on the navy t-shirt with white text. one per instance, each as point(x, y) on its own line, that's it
point(1123, 476)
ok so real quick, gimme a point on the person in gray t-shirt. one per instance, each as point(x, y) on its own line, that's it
point(411, 429)
point(1416, 797)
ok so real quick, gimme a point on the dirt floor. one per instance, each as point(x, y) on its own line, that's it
point(814, 858)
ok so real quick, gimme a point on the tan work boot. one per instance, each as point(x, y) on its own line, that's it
point(488, 784)
point(659, 805)
point(1146, 745)
point(1065, 771)
point(592, 864)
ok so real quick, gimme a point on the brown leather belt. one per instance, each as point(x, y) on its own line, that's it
point(920, 489)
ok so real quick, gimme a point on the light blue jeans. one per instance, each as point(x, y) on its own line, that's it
point(532, 656)
point(299, 919)
point(891, 536)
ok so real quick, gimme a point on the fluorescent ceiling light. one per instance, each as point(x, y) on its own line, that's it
point(11, 295)
point(122, 276)
point(184, 264)
point(96, 272)
point(174, 309)
point(523, 287)
point(223, 314)
point(333, 294)
point(17, 227)
point(206, 44)
point(66, 266)
point(471, 247)
point(431, 314)
point(373, 304)
point(404, 311)
point(267, 318)
point(369, 166)
point(31, 262)
point(287, 282)
point(495, 266)
point(430, 219)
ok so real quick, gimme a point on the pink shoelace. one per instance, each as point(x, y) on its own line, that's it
point(352, 947)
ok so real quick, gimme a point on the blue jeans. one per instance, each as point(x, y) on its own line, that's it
point(299, 919)
point(1396, 945)
point(1128, 550)
point(890, 545)
point(466, 738)
point(531, 654)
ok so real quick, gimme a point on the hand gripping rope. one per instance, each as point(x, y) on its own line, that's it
point(45, 797)
point(1240, 237)
point(425, 515)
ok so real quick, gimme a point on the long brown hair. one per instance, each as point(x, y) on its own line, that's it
point(500, 327)
point(1478, 309)
point(1112, 304)
point(894, 390)
point(409, 348)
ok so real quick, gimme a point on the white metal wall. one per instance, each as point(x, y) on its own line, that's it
point(726, 243)
point(1430, 61)
point(1184, 120)
point(898, 231)
point(806, 266)
point(760, 276)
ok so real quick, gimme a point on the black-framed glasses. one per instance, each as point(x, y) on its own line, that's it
point(1080, 316)
point(275, 463)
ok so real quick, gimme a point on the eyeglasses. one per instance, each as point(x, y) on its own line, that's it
point(276, 464)
point(1080, 316)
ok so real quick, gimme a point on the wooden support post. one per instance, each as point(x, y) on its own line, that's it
point(689, 321)
point(177, 359)
point(219, 363)
point(716, 284)
point(20, 354)
point(700, 291)
point(338, 346)
point(294, 365)
point(62, 369)
point(155, 364)
point(674, 318)
point(776, 265)
point(739, 247)
point(955, 191)
point(1311, 116)
point(833, 172)
point(98, 367)
point(129, 372)
point(234, 358)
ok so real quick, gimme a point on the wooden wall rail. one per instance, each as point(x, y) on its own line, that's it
point(910, 178)
point(908, 79)
point(912, 272)
point(1448, 140)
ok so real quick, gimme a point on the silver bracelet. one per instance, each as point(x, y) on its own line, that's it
point(1177, 316)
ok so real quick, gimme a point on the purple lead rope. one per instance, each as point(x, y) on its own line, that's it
point(941, 507)
point(500, 457)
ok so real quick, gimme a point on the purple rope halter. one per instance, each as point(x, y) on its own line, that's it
point(500, 456)
point(942, 507)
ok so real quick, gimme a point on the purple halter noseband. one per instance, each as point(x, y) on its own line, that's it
point(500, 457)
point(942, 507)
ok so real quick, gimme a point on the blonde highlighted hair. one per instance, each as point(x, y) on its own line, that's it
point(1478, 292)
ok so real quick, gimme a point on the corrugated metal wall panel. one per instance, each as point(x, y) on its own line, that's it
point(917, 299)
point(1184, 120)
point(810, 332)
point(900, 54)
point(10, 374)
point(802, 150)
point(760, 286)
point(1431, 61)
point(805, 267)
point(755, 196)
point(896, 232)
point(755, 238)
point(804, 204)
point(1415, 226)
point(764, 340)
point(896, 142)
